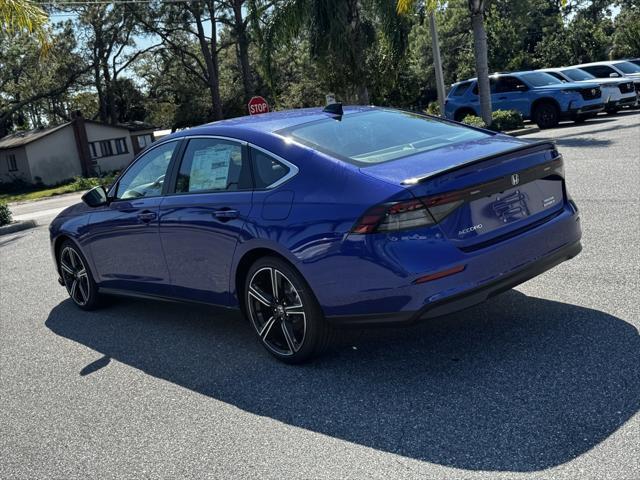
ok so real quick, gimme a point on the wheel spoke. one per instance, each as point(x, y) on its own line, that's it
point(274, 283)
point(267, 327)
point(66, 268)
point(288, 337)
point(294, 310)
point(259, 296)
point(72, 290)
point(82, 291)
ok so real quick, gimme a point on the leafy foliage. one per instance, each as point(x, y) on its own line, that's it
point(502, 120)
point(5, 214)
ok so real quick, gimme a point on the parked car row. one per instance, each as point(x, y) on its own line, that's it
point(549, 95)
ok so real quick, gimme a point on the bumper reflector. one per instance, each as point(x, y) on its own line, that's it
point(441, 274)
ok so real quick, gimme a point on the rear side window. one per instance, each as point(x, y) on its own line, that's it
point(380, 135)
point(460, 89)
point(267, 171)
point(211, 164)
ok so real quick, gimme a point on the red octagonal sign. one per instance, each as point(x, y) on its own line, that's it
point(258, 105)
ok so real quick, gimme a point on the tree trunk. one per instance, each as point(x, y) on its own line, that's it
point(243, 49)
point(482, 64)
point(210, 58)
point(437, 62)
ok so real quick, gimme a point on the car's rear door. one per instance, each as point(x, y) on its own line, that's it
point(123, 235)
point(203, 216)
point(509, 93)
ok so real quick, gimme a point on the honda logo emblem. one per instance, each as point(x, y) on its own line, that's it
point(515, 179)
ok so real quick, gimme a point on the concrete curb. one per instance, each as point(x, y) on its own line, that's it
point(17, 226)
point(522, 131)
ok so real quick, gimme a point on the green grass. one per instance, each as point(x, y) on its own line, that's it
point(76, 185)
point(35, 195)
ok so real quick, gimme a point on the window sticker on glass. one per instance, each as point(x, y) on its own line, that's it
point(210, 168)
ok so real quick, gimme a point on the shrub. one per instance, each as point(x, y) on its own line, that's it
point(5, 214)
point(506, 120)
point(82, 183)
point(501, 120)
point(474, 121)
point(433, 108)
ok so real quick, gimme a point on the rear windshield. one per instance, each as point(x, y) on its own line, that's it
point(540, 79)
point(377, 136)
point(627, 67)
point(577, 75)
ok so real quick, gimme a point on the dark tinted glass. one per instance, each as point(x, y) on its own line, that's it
point(557, 75)
point(460, 89)
point(266, 169)
point(578, 74)
point(509, 84)
point(540, 79)
point(376, 136)
point(146, 177)
point(627, 67)
point(600, 71)
point(213, 165)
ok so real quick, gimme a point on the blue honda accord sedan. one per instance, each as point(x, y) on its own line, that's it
point(310, 219)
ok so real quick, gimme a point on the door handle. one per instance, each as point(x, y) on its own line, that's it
point(147, 216)
point(226, 214)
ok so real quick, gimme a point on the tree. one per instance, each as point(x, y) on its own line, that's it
point(32, 88)
point(179, 25)
point(627, 32)
point(340, 35)
point(19, 16)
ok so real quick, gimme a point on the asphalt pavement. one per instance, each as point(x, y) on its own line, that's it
point(540, 382)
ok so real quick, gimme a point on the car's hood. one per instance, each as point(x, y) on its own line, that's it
point(441, 159)
point(569, 85)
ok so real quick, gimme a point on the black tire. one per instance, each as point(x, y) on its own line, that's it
point(613, 111)
point(580, 120)
point(546, 115)
point(289, 324)
point(77, 277)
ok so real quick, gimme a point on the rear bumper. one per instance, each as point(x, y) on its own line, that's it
point(468, 298)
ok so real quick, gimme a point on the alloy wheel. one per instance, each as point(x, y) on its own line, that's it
point(75, 275)
point(276, 311)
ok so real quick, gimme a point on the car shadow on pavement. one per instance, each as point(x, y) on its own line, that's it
point(516, 384)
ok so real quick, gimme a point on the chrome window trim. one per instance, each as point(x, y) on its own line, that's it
point(293, 169)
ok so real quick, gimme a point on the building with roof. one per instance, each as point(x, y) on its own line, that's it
point(54, 154)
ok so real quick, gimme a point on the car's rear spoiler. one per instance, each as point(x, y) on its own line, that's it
point(532, 145)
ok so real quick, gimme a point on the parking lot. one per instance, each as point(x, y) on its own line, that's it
point(542, 381)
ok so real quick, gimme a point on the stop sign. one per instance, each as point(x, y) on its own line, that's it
point(258, 105)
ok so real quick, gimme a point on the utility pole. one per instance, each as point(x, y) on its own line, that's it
point(437, 61)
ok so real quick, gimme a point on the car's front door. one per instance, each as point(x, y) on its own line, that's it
point(123, 236)
point(203, 216)
point(508, 93)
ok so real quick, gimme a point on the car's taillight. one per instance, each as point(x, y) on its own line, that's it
point(394, 216)
point(390, 217)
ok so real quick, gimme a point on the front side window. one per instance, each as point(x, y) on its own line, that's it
point(380, 135)
point(146, 177)
point(213, 165)
point(266, 170)
point(509, 84)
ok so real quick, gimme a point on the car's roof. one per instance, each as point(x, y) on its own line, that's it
point(272, 121)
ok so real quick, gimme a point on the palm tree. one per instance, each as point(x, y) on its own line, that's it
point(476, 9)
point(24, 16)
point(339, 33)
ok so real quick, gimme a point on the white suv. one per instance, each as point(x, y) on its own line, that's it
point(614, 69)
point(616, 92)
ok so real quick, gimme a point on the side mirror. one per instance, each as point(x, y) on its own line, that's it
point(96, 197)
point(614, 75)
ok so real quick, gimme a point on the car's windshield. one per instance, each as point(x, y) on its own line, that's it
point(627, 67)
point(540, 79)
point(377, 136)
point(576, 74)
